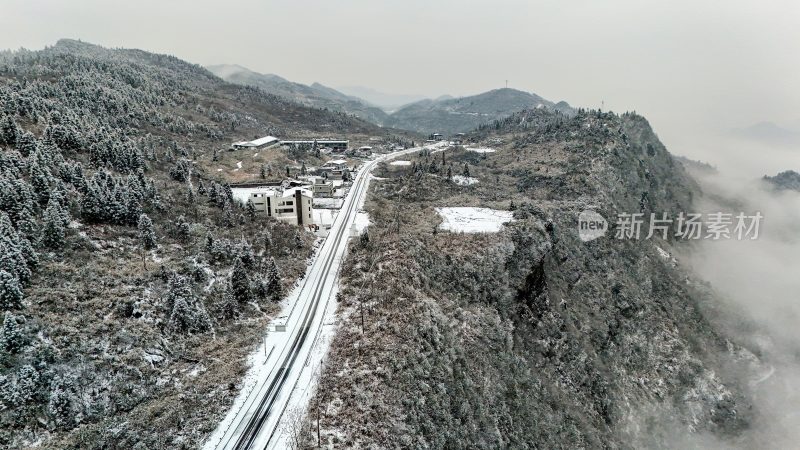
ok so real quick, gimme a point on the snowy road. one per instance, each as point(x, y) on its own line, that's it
point(254, 420)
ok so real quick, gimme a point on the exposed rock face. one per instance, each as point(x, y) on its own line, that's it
point(531, 338)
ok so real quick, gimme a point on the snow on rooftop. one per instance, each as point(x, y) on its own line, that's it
point(400, 163)
point(337, 161)
point(242, 194)
point(473, 220)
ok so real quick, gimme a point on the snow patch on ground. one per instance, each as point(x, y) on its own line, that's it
point(480, 150)
point(401, 162)
point(663, 253)
point(464, 181)
point(255, 154)
point(362, 221)
point(473, 220)
point(239, 165)
point(325, 217)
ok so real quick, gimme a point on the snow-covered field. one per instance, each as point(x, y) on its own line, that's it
point(473, 220)
point(362, 221)
point(464, 181)
point(402, 162)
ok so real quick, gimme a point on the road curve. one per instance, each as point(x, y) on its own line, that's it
point(253, 422)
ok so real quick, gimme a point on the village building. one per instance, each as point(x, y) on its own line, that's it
point(320, 186)
point(291, 205)
point(257, 144)
point(333, 170)
point(333, 144)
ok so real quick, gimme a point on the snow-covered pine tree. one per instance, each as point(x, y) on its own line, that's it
point(298, 240)
point(240, 281)
point(147, 234)
point(10, 291)
point(251, 210)
point(228, 307)
point(62, 404)
point(274, 285)
point(53, 226)
point(11, 337)
point(26, 144)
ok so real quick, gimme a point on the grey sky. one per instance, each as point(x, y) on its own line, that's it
point(687, 65)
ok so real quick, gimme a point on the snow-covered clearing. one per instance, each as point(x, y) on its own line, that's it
point(362, 221)
point(324, 217)
point(467, 219)
point(401, 162)
point(464, 181)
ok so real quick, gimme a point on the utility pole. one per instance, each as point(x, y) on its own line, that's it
point(506, 84)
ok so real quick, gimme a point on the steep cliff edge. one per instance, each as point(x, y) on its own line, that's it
point(530, 337)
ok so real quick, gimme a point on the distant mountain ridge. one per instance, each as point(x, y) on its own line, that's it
point(452, 115)
point(315, 95)
point(445, 114)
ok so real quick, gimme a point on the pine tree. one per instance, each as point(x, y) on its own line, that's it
point(26, 144)
point(229, 307)
point(247, 255)
point(288, 174)
point(227, 216)
point(10, 291)
point(466, 170)
point(251, 210)
point(8, 131)
point(41, 179)
point(61, 405)
point(240, 282)
point(147, 234)
point(303, 168)
point(263, 172)
point(182, 229)
point(53, 226)
point(298, 240)
point(11, 338)
point(209, 241)
point(274, 285)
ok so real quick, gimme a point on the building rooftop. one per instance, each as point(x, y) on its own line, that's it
point(256, 143)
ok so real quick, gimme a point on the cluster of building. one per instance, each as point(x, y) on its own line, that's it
point(333, 145)
point(292, 200)
point(457, 138)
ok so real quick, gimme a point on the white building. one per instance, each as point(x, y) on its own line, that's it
point(261, 143)
point(291, 205)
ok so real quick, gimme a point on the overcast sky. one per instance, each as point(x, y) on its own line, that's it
point(687, 65)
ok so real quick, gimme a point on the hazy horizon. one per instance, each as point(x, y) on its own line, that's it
point(694, 69)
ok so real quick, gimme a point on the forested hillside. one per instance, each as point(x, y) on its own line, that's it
point(131, 284)
point(530, 337)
